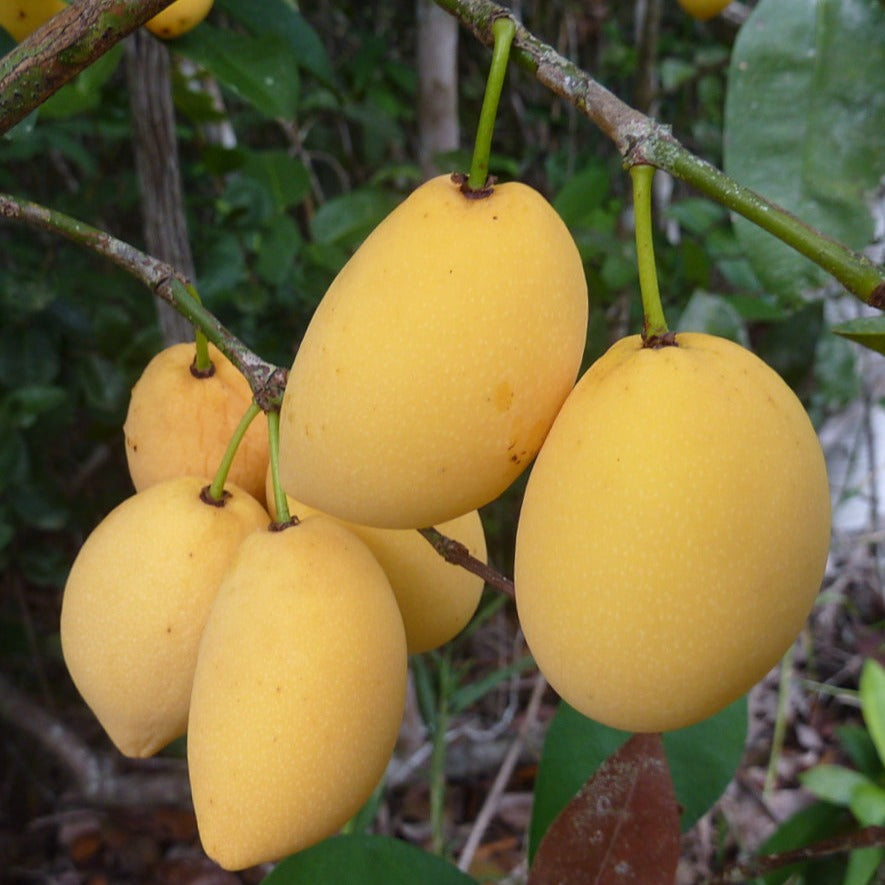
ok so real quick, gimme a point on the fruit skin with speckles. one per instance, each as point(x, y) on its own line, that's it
point(135, 602)
point(21, 17)
point(179, 424)
point(178, 18)
point(436, 599)
point(437, 360)
point(298, 694)
point(673, 535)
point(703, 9)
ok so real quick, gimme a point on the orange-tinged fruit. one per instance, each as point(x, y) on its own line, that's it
point(436, 598)
point(21, 17)
point(298, 694)
point(673, 535)
point(135, 602)
point(180, 424)
point(703, 9)
point(178, 18)
point(437, 360)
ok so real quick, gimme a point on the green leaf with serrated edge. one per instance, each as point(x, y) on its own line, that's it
point(703, 758)
point(368, 860)
point(282, 18)
point(260, 70)
point(805, 124)
point(833, 783)
point(868, 331)
point(872, 702)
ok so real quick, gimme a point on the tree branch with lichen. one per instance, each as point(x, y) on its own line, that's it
point(62, 47)
point(266, 380)
point(641, 140)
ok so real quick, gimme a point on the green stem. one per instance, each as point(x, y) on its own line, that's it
point(202, 361)
point(216, 490)
point(641, 140)
point(438, 758)
point(281, 505)
point(265, 379)
point(503, 30)
point(654, 326)
point(857, 273)
point(780, 721)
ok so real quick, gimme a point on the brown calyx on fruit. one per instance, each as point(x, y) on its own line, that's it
point(461, 179)
point(202, 373)
point(656, 342)
point(291, 522)
point(206, 497)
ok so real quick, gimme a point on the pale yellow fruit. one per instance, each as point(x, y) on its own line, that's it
point(136, 600)
point(674, 533)
point(703, 9)
point(21, 17)
point(178, 18)
point(298, 694)
point(436, 599)
point(179, 424)
point(436, 361)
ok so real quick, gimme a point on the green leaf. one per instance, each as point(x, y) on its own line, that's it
point(868, 804)
point(872, 701)
point(804, 828)
point(804, 124)
point(863, 863)
point(706, 312)
point(280, 17)
point(369, 860)
point(582, 195)
point(280, 243)
point(861, 750)
point(868, 331)
point(260, 70)
point(702, 758)
point(24, 405)
point(348, 219)
point(833, 783)
point(284, 178)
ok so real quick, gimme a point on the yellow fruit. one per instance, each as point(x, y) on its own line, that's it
point(178, 18)
point(673, 535)
point(703, 9)
point(298, 694)
point(136, 600)
point(436, 361)
point(436, 599)
point(21, 17)
point(179, 424)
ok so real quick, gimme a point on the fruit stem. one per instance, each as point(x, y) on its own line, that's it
point(281, 505)
point(503, 30)
point(216, 490)
point(438, 756)
point(654, 326)
point(202, 362)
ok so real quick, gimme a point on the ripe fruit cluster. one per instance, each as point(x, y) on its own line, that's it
point(672, 537)
point(280, 650)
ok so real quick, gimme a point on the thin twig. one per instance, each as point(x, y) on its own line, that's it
point(502, 778)
point(868, 837)
point(455, 552)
